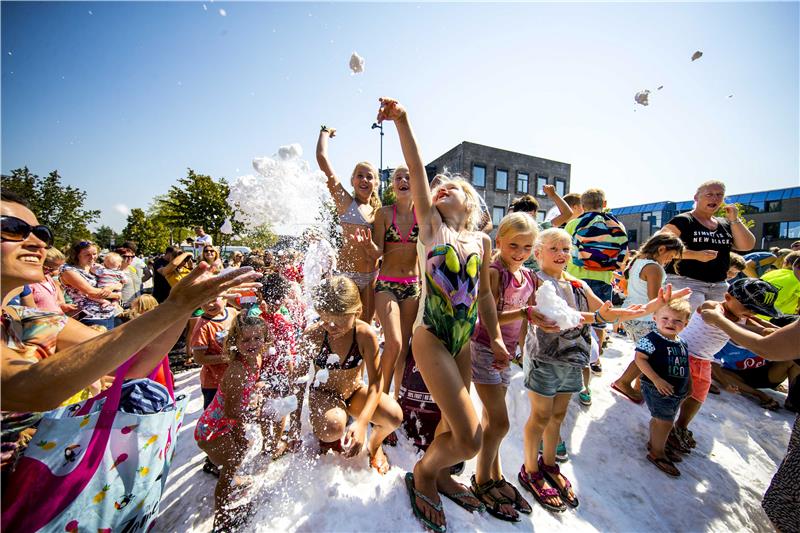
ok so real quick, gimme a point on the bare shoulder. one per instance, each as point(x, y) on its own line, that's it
point(364, 332)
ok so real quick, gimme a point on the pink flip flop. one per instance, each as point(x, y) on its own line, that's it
point(634, 400)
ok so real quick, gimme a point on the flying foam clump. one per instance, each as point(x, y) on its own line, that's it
point(556, 308)
point(286, 194)
point(356, 63)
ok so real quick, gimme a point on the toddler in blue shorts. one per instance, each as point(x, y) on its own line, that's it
point(663, 359)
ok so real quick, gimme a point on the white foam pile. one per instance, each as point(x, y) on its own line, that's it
point(556, 308)
point(740, 445)
point(286, 194)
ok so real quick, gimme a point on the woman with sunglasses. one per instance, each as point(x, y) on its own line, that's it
point(211, 256)
point(47, 358)
point(129, 291)
point(80, 283)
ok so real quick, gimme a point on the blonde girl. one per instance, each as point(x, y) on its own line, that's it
point(220, 431)
point(553, 364)
point(645, 276)
point(356, 212)
point(211, 256)
point(513, 287)
point(338, 390)
point(457, 288)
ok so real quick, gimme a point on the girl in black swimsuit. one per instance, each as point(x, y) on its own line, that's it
point(338, 389)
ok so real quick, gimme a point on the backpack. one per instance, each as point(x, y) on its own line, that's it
point(599, 242)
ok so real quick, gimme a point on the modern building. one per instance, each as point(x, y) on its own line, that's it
point(775, 214)
point(500, 176)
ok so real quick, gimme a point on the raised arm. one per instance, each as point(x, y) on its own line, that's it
point(778, 346)
point(743, 238)
point(563, 207)
point(340, 196)
point(420, 189)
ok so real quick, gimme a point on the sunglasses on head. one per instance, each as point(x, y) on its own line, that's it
point(17, 230)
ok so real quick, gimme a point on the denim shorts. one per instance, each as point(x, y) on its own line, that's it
point(548, 379)
point(661, 407)
point(483, 373)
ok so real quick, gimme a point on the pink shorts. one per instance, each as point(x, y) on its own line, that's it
point(700, 370)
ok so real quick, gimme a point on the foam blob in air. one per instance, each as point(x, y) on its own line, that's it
point(227, 227)
point(277, 408)
point(697, 55)
point(286, 194)
point(641, 97)
point(356, 63)
point(556, 308)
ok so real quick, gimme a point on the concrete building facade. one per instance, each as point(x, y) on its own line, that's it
point(500, 176)
point(775, 214)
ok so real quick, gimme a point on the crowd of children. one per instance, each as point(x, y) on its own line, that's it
point(477, 303)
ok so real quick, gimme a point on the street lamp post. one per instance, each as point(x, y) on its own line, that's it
point(376, 125)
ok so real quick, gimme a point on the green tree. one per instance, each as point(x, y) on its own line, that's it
point(150, 235)
point(197, 200)
point(58, 206)
point(106, 237)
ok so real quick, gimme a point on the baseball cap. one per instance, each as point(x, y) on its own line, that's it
point(757, 295)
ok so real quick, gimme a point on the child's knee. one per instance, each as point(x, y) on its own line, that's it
point(470, 442)
point(498, 425)
point(329, 428)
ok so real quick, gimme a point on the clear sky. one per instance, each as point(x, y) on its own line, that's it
point(122, 97)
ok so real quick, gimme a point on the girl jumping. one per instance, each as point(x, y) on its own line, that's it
point(457, 285)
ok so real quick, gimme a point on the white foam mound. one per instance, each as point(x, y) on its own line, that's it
point(286, 194)
point(556, 308)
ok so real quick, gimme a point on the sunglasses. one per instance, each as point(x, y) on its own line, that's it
point(128, 256)
point(17, 230)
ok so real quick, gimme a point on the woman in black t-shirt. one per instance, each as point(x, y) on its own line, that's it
point(709, 241)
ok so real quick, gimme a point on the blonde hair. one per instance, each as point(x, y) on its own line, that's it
point(141, 305)
point(374, 199)
point(242, 320)
point(680, 305)
point(203, 254)
point(710, 183)
point(593, 199)
point(552, 235)
point(338, 296)
point(115, 259)
point(473, 203)
point(514, 224)
point(53, 256)
point(396, 170)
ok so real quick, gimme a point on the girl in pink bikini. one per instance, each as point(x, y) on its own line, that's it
point(220, 429)
point(397, 290)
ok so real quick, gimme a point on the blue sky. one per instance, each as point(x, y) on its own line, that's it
point(122, 97)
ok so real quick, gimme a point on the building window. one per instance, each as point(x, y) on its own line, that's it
point(497, 215)
point(540, 216)
point(782, 230)
point(774, 206)
point(541, 181)
point(561, 186)
point(633, 235)
point(501, 179)
point(522, 182)
point(479, 175)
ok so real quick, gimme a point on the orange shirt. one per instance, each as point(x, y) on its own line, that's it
point(209, 335)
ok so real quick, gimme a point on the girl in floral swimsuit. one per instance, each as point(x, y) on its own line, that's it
point(457, 287)
point(220, 429)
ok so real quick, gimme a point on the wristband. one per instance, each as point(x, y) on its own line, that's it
point(599, 320)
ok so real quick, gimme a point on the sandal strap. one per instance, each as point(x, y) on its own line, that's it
point(436, 506)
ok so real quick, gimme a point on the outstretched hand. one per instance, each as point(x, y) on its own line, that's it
point(390, 109)
point(201, 286)
point(362, 238)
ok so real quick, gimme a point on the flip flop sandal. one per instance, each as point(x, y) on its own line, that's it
point(550, 473)
point(665, 465)
point(631, 398)
point(210, 468)
point(541, 494)
point(713, 389)
point(382, 467)
point(520, 503)
point(459, 499)
point(482, 491)
point(413, 494)
point(671, 453)
point(677, 444)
